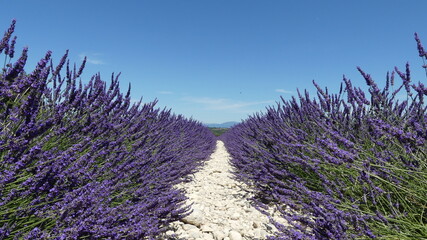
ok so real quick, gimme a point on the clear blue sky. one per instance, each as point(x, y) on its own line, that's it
point(222, 60)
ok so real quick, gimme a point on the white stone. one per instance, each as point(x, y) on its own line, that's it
point(233, 235)
point(207, 236)
point(235, 224)
point(259, 233)
point(195, 218)
point(195, 233)
point(247, 233)
point(184, 235)
point(187, 227)
point(218, 235)
point(235, 216)
point(206, 228)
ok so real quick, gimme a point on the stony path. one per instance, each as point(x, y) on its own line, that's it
point(221, 209)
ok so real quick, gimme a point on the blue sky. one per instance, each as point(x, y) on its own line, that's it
point(223, 60)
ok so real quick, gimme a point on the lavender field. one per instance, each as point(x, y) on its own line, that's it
point(350, 165)
point(80, 161)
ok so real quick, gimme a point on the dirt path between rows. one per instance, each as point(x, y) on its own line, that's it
point(221, 209)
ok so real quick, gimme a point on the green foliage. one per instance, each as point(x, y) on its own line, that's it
point(218, 131)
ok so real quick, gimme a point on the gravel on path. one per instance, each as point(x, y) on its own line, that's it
point(221, 208)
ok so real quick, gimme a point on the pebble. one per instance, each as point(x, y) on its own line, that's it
point(235, 216)
point(221, 209)
point(195, 218)
point(188, 227)
point(206, 228)
point(208, 236)
point(218, 234)
point(233, 235)
point(195, 233)
point(259, 233)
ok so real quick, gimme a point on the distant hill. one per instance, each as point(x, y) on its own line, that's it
point(221, 125)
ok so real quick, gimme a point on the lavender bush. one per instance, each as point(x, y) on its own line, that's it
point(350, 165)
point(81, 162)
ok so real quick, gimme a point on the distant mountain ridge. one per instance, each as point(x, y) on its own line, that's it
point(221, 125)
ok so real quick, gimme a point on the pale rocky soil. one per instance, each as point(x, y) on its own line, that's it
point(221, 209)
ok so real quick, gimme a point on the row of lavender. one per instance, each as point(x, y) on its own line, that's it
point(81, 161)
point(346, 165)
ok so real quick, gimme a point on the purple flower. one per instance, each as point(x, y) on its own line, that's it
point(420, 47)
point(4, 42)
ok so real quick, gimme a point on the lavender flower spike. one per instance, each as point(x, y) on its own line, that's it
point(420, 47)
point(5, 41)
